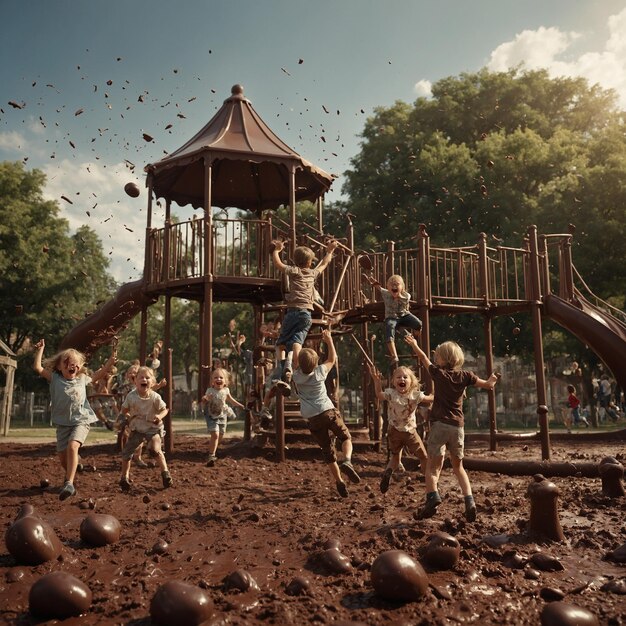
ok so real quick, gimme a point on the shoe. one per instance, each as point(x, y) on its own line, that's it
point(141, 463)
point(109, 424)
point(266, 418)
point(211, 461)
point(470, 512)
point(67, 491)
point(286, 377)
point(284, 387)
point(385, 480)
point(349, 471)
point(124, 484)
point(167, 479)
point(429, 508)
point(342, 489)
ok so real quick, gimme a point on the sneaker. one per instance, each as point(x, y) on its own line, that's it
point(167, 479)
point(342, 489)
point(67, 491)
point(349, 471)
point(266, 418)
point(429, 508)
point(140, 463)
point(211, 461)
point(125, 484)
point(385, 480)
point(470, 509)
point(284, 387)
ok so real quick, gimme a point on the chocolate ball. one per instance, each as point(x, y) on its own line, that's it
point(397, 576)
point(32, 541)
point(132, 190)
point(59, 595)
point(546, 562)
point(240, 579)
point(333, 542)
point(564, 614)
point(299, 586)
point(99, 529)
point(25, 510)
point(442, 551)
point(176, 602)
point(334, 562)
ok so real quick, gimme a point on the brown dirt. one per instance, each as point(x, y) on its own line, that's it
point(250, 513)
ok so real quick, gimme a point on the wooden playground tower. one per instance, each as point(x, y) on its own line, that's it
point(237, 161)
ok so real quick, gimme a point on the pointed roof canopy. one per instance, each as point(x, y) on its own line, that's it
point(250, 165)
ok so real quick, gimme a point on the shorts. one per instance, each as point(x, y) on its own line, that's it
point(135, 439)
point(75, 432)
point(398, 439)
point(408, 320)
point(321, 427)
point(215, 424)
point(442, 436)
point(295, 327)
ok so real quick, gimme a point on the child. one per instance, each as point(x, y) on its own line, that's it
point(145, 410)
point(216, 410)
point(574, 404)
point(403, 399)
point(397, 313)
point(300, 299)
point(323, 417)
point(71, 412)
point(446, 428)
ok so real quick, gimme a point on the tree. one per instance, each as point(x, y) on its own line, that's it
point(43, 289)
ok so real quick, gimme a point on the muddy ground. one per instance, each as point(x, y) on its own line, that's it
point(269, 521)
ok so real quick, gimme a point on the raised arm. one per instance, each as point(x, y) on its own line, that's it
point(421, 355)
point(37, 366)
point(376, 376)
point(104, 370)
point(490, 383)
point(234, 402)
point(331, 357)
point(279, 246)
point(373, 282)
point(330, 248)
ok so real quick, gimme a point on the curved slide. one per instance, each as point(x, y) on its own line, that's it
point(603, 333)
point(98, 328)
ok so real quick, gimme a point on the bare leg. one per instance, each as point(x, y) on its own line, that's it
point(433, 469)
point(461, 475)
point(159, 454)
point(391, 346)
point(214, 441)
point(69, 460)
point(126, 469)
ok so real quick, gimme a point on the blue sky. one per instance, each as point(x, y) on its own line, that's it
point(88, 78)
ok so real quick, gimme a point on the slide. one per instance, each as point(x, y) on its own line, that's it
point(603, 333)
point(98, 328)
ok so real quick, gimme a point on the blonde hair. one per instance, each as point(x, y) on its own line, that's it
point(54, 362)
point(398, 279)
point(145, 368)
point(224, 373)
point(307, 360)
point(302, 255)
point(450, 354)
point(131, 372)
point(412, 376)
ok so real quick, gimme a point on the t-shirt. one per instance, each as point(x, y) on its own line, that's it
point(142, 411)
point(301, 286)
point(449, 388)
point(395, 307)
point(573, 401)
point(68, 399)
point(216, 406)
point(401, 408)
point(312, 391)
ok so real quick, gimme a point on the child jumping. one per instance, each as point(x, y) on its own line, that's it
point(324, 420)
point(397, 313)
point(216, 410)
point(145, 410)
point(71, 413)
point(447, 421)
point(403, 398)
point(300, 300)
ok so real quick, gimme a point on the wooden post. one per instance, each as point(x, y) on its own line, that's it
point(535, 307)
point(292, 212)
point(423, 300)
point(280, 427)
point(491, 394)
point(207, 308)
point(167, 349)
point(143, 335)
point(167, 234)
point(567, 278)
point(320, 212)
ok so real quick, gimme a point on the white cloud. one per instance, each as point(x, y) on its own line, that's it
point(545, 48)
point(423, 89)
point(13, 142)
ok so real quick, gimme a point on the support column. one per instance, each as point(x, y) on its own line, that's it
point(207, 308)
point(292, 203)
point(167, 353)
point(491, 393)
point(143, 335)
point(423, 301)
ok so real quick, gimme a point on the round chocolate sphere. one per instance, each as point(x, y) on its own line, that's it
point(397, 576)
point(240, 579)
point(59, 595)
point(132, 190)
point(176, 602)
point(32, 541)
point(298, 586)
point(99, 529)
point(442, 551)
point(564, 614)
point(334, 562)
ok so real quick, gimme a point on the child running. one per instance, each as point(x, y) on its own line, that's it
point(403, 398)
point(145, 410)
point(216, 410)
point(324, 420)
point(447, 421)
point(574, 404)
point(71, 413)
point(397, 313)
point(300, 299)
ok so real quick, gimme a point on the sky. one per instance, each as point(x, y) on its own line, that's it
point(82, 82)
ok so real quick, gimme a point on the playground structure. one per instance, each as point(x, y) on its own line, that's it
point(237, 161)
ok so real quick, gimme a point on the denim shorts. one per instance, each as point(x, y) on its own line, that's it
point(295, 327)
point(408, 320)
point(215, 424)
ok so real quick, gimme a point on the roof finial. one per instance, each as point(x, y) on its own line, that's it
point(237, 90)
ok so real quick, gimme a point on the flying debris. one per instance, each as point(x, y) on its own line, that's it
point(66, 199)
point(147, 137)
point(78, 112)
